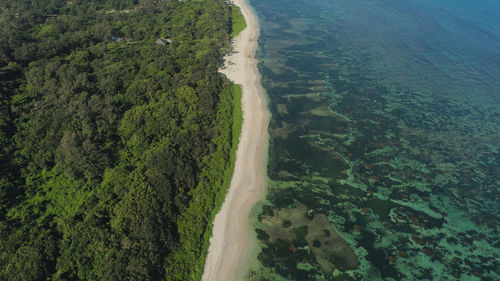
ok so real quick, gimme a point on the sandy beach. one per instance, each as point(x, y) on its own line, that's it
point(231, 239)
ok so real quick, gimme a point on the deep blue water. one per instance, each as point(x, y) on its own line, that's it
point(386, 123)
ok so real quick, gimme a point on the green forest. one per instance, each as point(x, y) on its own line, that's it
point(118, 136)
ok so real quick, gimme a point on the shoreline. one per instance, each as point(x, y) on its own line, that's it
point(232, 239)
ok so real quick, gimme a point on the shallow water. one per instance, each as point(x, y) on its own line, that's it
point(386, 122)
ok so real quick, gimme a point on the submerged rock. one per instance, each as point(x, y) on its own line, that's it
point(330, 250)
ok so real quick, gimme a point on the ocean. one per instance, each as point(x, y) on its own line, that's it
point(384, 159)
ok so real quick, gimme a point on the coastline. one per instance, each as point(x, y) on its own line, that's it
point(231, 239)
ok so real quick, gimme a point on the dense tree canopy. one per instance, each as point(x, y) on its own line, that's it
point(115, 150)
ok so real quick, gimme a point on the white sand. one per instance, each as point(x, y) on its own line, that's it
point(231, 241)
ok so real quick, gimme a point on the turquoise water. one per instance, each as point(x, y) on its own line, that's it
point(384, 161)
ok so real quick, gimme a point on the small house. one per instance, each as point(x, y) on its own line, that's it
point(163, 42)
